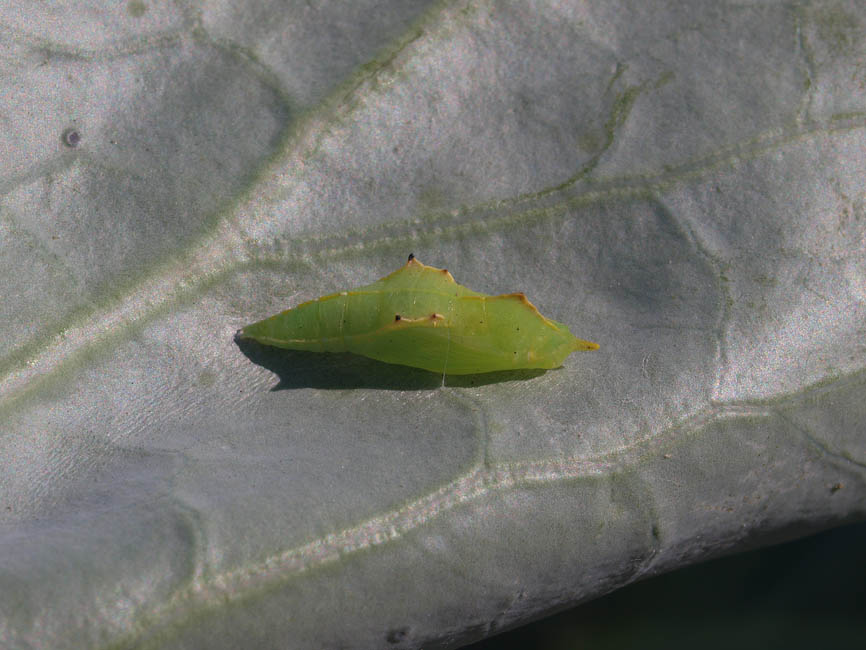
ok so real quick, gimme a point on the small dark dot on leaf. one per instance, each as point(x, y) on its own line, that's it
point(71, 137)
point(398, 635)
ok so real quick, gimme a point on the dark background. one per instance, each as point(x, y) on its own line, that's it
point(810, 593)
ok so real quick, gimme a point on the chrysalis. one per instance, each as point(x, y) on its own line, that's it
point(419, 316)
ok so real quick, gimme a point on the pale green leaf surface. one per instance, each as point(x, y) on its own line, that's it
point(680, 182)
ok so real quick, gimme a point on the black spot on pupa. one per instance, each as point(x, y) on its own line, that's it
point(396, 317)
point(70, 137)
point(411, 257)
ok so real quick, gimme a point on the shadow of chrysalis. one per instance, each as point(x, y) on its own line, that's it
point(299, 369)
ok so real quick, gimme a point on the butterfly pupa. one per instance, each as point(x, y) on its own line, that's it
point(419, 316)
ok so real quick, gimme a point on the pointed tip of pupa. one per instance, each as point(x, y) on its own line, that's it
point(580, 344)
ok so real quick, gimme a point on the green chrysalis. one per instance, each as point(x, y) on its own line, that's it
point(419, 316)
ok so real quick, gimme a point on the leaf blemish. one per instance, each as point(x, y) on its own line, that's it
point(71, 137)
